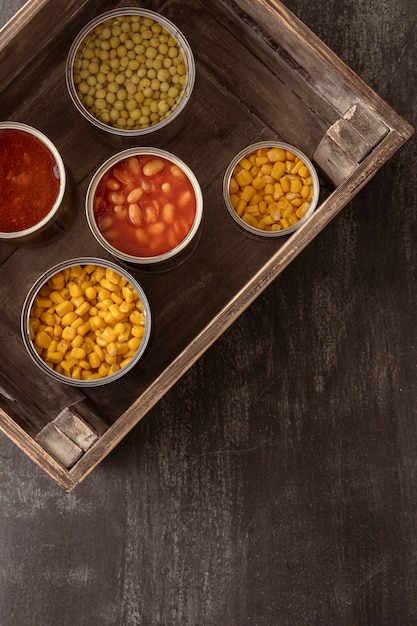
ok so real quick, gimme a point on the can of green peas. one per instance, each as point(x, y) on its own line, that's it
point(130, 72)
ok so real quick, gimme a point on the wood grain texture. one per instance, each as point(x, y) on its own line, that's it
point(275, 484)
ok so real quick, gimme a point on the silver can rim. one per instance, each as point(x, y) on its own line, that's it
point(270, 144)
point(39, 226)
point(27, 307)
point(190, 68)
point(128, 258)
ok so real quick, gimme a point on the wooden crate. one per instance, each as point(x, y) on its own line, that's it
point(261, 74)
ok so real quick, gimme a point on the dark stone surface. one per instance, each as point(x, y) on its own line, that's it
point(276, 483)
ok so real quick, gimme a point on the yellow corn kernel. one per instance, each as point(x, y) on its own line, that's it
point(138, 331)
point(97, 322)
point(83, 308)
point(284, 223)
point(243, 178)
point(117, 299)
point(69, 318)
point(261, 160)
point(266, 169)
point(125, 362)
point(134, 343)
point(77, 342)
point(110, 319)
point(108, 285)
point(43, 303)
point(112, 276)
point(109, 358)
point(76, 372)
point(278, 170)
point(234, 199)
point(68, 333)
point(54, 356)
point(43, 340)
point(276, 154)
point(305, 191)
point(285, 184)
point(75, 290)
point(77, 323)
point(277, 191)
point(233, 186)
point(56, 297)
point(84, 364)
point(304, 172)
point(94, 360)
point(296, 202)
point(99, 350)
point(258, 183)
point(302, 210)
point(290, 156)
point(48, 318)
point(33, 327)
point(68, 363)
point(62, 346)
point(125, 335)
point(249, 219)
point(104, 369)
point(111, 349)
point(269, 189)
point(241, 206)
point(78, 353)
point(122, 348)
point(274, 211)
point(109, 335)
point(114, 309)
point(128, 295)
point(57, 281)
point(64, 307)
point(136, 317)
point(114, 368)
point(296, 185)
point(83, 329)
point(245, 163)
point(292, 219)
point(247, 193)
point(288, 210)
point(90, 292)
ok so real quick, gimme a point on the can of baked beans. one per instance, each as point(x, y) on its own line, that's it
point(145, 207)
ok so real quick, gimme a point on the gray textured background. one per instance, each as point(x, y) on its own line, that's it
point(276, 484)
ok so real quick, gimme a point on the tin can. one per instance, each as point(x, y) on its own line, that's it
point(61, 210)
point(100, 113)
point(252, 221)
point(158, 261)
point(28, 332)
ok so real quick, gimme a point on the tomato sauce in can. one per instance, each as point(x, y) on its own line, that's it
point(29, 180)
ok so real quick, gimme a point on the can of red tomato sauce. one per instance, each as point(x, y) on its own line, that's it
point(145, 207)
point(34, 186)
